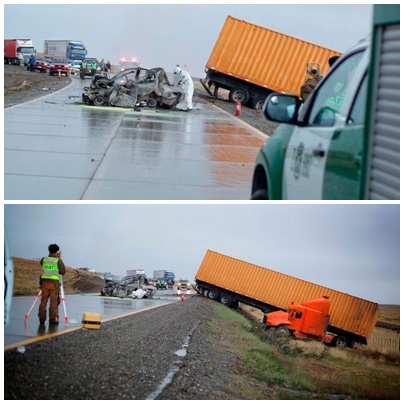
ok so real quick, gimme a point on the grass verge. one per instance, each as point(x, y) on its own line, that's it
point(272, 366)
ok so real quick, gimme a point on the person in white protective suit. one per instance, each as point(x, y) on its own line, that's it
point(183, 79)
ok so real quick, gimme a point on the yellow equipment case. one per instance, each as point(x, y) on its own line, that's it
point(91, 321)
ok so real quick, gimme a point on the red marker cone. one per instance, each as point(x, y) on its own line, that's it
point(182, 298)
point(59, 75)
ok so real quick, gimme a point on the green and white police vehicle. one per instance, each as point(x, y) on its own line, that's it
point(344, 141)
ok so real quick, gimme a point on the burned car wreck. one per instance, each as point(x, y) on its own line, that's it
point(133, 87)
point(129, 286)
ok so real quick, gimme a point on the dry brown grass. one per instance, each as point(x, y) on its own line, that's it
point(27, 272)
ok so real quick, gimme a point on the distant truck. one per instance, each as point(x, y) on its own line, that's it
point(18, 51)
point(168, 276)
point(134, 272)
point(66, 49)
point(251, 62)
point(231, 281)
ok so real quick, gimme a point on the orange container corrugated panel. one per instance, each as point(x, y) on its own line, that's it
point(347, 312)
point(265, 57)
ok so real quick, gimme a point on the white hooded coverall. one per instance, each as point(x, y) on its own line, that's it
point(183, 79)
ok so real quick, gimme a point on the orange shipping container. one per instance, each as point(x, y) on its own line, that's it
point(265, 57)
point(349, 313)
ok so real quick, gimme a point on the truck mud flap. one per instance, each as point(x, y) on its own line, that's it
point(203, 82)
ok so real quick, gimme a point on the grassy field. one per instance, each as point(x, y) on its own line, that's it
point(278, 367)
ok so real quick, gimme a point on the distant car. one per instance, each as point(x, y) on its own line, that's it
point(184, 283)
point(88, 69)
point(128, 64)
point(41, 64)
point(49, 60)
point(59, 65)
point(75, 69)
point(161, 284)
point(151, 282)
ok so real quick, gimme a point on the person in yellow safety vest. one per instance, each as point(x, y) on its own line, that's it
point(83, 68)
point(52, 268)
point(93, 68)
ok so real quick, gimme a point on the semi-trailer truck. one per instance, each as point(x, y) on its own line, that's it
point(251, 62)
point(166, 275)
point(230, 281)
point(66, 49)
point(18, 51)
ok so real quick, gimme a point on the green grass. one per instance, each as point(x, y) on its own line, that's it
point(273, 366)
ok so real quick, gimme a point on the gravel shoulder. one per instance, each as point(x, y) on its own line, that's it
point(129, 358)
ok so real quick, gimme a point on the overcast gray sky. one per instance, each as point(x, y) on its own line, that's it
point(350, 248)
point(164, 35)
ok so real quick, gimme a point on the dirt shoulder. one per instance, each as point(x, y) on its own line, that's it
point(27, 272)
point(22, 86)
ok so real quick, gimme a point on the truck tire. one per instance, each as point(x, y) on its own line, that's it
point(226, 300)
point(281, 329)
point(341, 342)
point(205, 292)
point(239, 94)
point(213, 294)
point(258, 103)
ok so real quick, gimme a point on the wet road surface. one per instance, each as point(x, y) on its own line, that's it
point(58, 149)
point(19, 332)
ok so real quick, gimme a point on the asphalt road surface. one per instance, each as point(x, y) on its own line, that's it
point(24, 327)
point(163, 353)
point(58, 149)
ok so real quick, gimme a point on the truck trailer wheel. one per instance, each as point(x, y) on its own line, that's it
point(239, 95)
point(213, 294)
point(226, 300)
point(258, 103)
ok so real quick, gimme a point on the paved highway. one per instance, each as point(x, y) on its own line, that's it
point(19, 332)
point(58, 149)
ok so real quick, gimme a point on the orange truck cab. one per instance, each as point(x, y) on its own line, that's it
point(308, 319)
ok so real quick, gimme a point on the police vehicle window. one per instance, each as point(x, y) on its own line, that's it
point(330, 96)
point(357, 115)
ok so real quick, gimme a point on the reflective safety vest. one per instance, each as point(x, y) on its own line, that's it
point(84, 65)
point(93, 66)
point(50, 268)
